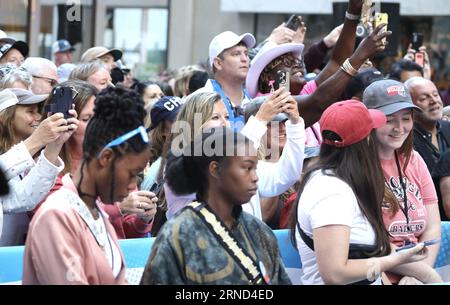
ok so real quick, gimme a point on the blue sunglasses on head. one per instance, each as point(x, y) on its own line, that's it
point(140, 130)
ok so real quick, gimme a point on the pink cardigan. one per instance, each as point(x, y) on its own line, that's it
point(61, 248)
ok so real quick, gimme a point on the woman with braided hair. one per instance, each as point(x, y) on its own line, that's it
point(80, 245)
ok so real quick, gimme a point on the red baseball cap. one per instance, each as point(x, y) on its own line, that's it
point(351, 121)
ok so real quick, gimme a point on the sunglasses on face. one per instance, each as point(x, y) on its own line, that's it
point(123, 138)
point(289, 61)
point(51, 81)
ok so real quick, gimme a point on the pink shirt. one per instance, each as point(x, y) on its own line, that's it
point(62, 249)
point(420, 192)
point(313, 135)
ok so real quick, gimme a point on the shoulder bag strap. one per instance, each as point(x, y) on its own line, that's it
point(230, 244)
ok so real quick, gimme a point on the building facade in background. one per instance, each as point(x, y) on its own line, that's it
point(160, 34)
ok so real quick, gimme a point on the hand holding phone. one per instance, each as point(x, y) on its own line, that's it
point(426, 243)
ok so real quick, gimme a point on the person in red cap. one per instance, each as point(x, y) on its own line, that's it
point(338, 225)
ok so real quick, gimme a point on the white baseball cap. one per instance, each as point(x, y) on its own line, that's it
point(14, 96)
point(226, 40)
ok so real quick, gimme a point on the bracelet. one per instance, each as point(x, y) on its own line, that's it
point(352, 16)
point(348, 68)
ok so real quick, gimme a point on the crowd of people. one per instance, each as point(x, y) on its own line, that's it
point(356, 164)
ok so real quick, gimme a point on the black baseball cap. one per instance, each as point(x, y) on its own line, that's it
point(6, 44)
point(165, 109)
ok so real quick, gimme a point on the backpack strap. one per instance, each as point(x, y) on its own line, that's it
point(355, 251)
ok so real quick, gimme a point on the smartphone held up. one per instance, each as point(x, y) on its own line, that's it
point(282, 80)
point(416, 43)
point(62, 100)
point(293, 22)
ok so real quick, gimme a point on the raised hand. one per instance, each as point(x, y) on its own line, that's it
point(291, 110)
point(372, 44)
point(281, 34)
point(273, 105)
point(300, 34)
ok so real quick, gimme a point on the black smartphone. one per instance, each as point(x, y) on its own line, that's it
point(293, 22)
point(282, 80)
point(416, 41)
point(62, 101)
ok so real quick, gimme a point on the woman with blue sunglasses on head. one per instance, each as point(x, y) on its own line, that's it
point(133, 216)
point(70, 240)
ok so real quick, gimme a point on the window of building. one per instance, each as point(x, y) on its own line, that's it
point(141, 33)
point(13, 19)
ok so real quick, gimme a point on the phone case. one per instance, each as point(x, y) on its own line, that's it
point(293, 23)
point(282, 80)
point(61, 101)
point(379, 19)
point(417, 41)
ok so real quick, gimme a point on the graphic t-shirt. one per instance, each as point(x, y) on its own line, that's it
point(420, 192)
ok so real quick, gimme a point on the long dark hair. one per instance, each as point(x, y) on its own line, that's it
point(117, 111)
point(404, 154)
point(358, 165)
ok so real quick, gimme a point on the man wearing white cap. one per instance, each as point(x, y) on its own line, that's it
point(229, 62)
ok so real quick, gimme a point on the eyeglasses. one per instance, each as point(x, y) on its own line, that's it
point(287, 60)
point(140, 130)
point(51, 81)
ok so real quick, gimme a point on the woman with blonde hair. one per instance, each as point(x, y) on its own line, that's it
point(205, 110)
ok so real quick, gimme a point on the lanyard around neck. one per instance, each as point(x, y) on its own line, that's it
point(404, 208)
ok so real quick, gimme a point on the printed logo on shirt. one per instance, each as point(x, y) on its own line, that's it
point(399, 228)
point(411, 189)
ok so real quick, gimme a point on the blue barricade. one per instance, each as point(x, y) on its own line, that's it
point(136, 252)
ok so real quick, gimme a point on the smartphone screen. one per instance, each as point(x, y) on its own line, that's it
point(283, 80)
